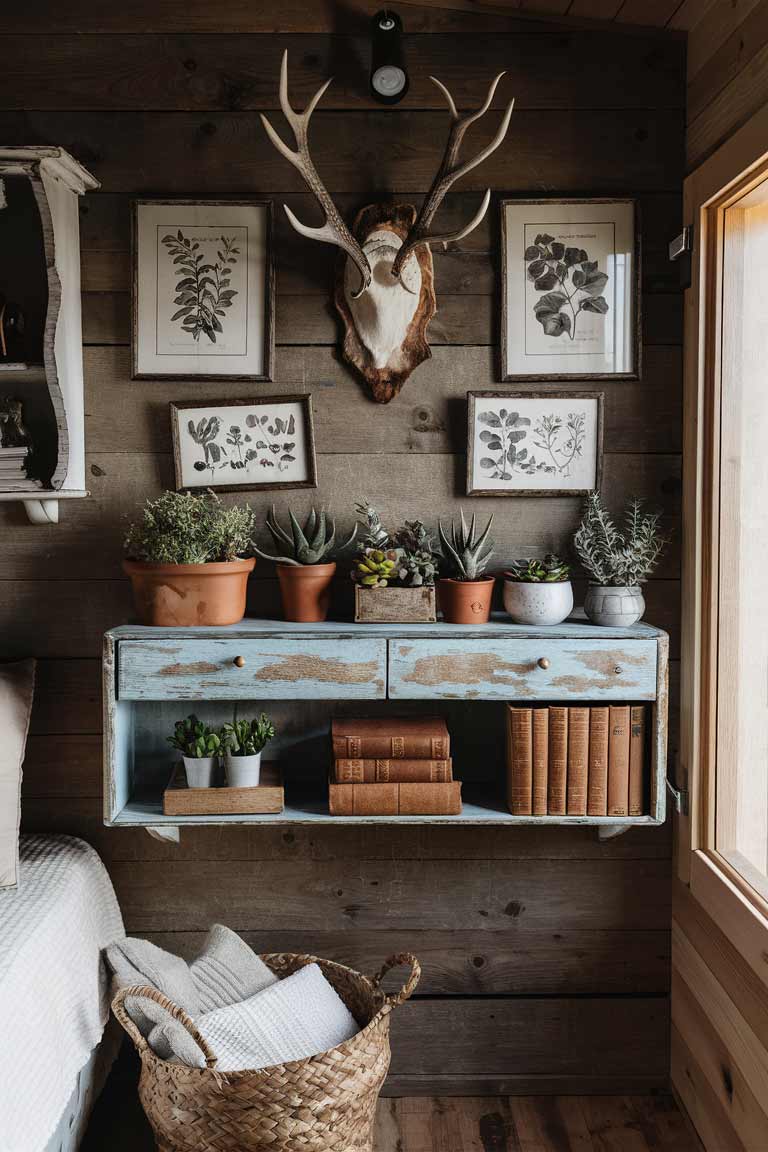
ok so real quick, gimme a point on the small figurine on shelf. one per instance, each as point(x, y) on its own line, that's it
point(14, 441)
point(11, 332)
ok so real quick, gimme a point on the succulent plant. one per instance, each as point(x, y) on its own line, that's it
point(375, 534)
point(312, 544)
point(247, 737)
point(469, 553)
point(615, 558)
point(550, 570)
point(195, 739)
point(375, 568)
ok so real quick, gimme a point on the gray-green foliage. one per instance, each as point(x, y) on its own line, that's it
point(619, 558)
point(530, 570)
point(468, 551)
point(312, 544)
point(189, 528)
point(405, 558)
point(247, 737)
point(375, 534)
point(195, 739)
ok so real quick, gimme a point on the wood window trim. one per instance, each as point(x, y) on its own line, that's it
point(739, 165)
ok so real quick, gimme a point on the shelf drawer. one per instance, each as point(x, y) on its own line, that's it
point(554, 669)
point(280, 668)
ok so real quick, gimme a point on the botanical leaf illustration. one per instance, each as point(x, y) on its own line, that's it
point(570, 281)
point(202, 289)
point(561, 443)
point(244, 452)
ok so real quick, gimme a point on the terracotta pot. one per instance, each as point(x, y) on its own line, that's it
point(466, 601)
point(306, 591)
point(188, 595)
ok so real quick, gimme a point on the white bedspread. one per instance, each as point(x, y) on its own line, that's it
point(54, 993)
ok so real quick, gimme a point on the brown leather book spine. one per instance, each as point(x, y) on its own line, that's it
point(558, 761)
point(519, 760)
point(395, 799)
point(618, 760)
point(410, 737)
point(578, 759)
point(597, 785)
point(637, 760)
point(369, 771)
point(540, 761)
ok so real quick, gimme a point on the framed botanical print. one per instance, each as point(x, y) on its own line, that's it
point(570, 290)
point(522, 444)
point(203, 299)
point(244, 445)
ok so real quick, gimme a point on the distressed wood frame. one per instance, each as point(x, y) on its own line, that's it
point(269, 291)
point(539, 377)
point(304, 399)
point(556, 395)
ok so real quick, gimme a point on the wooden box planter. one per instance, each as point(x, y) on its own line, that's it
point(395, 605)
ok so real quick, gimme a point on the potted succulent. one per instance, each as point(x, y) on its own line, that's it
point(617, 562)
point(304, 567)
point(185, 560)
point(243, 742)
point(538, 591)
point(200, 747)
point(394, 574)
point(465, 597)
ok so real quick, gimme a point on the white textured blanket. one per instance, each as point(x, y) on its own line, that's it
point(54, 998)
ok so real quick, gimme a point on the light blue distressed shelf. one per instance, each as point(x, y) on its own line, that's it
point(146, 670)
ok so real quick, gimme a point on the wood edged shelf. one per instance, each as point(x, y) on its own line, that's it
point(42, 504)
point(150, 673)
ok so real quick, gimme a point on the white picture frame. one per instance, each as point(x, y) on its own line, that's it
point(203, 297)
point(544, 444)
point(570, 290)
point(244, 445)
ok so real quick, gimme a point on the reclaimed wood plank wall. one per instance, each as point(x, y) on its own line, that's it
point(545, 953)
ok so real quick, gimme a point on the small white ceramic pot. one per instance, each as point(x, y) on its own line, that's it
point(243, 771)
point(200, 770)
point(529, 602)
point(617, 607)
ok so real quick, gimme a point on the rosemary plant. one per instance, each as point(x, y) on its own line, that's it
point(616, 558)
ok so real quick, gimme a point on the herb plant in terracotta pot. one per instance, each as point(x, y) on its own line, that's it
point(200, 747)
point(617, 562)
point(465, 596)
point(538, 592)
point(304, 567)
point(244, 741)
point(185, 560)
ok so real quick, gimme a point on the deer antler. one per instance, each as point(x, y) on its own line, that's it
point(449, 172)
point(334, 231)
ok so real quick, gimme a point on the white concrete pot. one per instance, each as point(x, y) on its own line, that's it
point(529, 602)
point(243, 771)
point(200, 770)
point(614, 607)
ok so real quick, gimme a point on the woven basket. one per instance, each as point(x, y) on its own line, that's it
point(324, 1104)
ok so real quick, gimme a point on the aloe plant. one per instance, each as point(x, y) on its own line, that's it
point(195, 739)
point(311, 544)
point(468, 552)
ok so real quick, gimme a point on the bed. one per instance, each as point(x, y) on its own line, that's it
point(54, 993)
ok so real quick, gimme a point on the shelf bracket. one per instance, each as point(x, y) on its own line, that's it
point(167, 833)
point(42, 511)
point(679, 798)
point(611, 831)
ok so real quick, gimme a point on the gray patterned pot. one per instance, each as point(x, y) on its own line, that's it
point(530, 602)
point(617, 607)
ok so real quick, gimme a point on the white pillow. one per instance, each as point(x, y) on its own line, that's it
point(17, 686)
point(297, 1017)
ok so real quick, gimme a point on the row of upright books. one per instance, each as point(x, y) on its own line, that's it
point(577, 761)
point(398, 766)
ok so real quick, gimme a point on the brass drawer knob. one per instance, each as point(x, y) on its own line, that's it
point(618, 670)
point(543, 662)
point(239, 661)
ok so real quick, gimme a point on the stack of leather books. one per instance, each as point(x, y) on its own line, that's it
point(398, 766)
point(580, 761)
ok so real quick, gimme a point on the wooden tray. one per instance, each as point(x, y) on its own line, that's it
point(268, 796)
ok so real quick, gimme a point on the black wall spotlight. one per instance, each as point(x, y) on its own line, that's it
point(389, 79)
